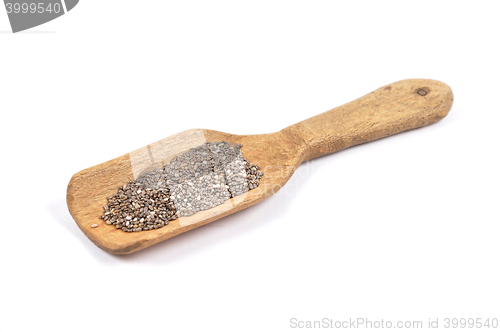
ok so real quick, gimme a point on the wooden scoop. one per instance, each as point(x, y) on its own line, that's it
point(392, 109)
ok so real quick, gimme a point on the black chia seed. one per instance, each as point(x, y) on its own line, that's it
point(200, 179)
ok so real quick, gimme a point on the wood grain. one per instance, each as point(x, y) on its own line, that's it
point(392, 109)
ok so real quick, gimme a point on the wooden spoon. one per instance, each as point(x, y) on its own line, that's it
point(392, 109)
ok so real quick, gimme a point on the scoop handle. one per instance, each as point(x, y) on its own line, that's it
point(392, 109)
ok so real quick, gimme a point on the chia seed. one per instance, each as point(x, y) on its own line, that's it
point(200, 179)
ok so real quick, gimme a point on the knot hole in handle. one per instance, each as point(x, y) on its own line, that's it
point(422, 91)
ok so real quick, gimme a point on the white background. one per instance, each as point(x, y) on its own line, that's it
point(404, 228)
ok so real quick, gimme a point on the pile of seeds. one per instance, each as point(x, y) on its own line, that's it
point(252, 174)
point(200, 179)
point(134, 208)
